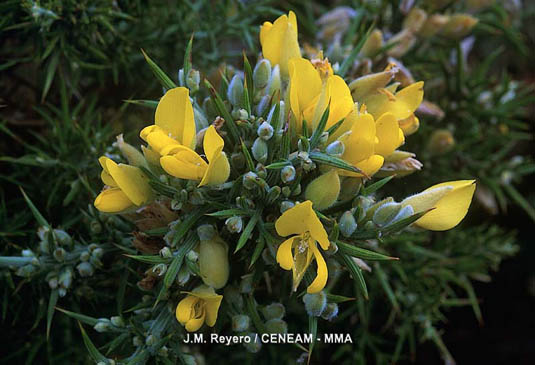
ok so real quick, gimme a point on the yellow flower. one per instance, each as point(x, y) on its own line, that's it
point(174, 122)
point(200, 306)
point(402, 103)
point(279, 41)
point(128, 187)
point(310, 94)
point(213, 261)
point(298, 251)
point(450, 202)
point(184, 163)
point(368, 142)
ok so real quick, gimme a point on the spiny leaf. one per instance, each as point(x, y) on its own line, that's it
point(93, 351)
point(333, 161)
point(50, 313)
point(38, 217)
point(356, 272)
point(229, 121)
point(247, 231)
point(158, 72)
point(376, 186)
point(316, 135)
point(80, 317)
point(362, 253)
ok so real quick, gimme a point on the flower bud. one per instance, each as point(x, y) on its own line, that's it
point(385, 213)
point(415, 20)
point(402, 43)
point(25, 271)
point(237, 160)
point(272, 113)
point(166, 252)
point(213, 261)
point(265, 131)
point(336, 149)
point(233, 297)
point(183, 275)
point(459, 26)
point(253, 345)
point(246, 284)
point(274, 311)
point(134, 157)
point(347, 224)
point(373, 44)
point(59, 254)
point(234, 224)
point(249, 180)
point(65, 278)
point(433, 25)
point(315, 303)
point(274, 84)
point(103, 325)
point(285, 205)
point(240, 323)
point(235, 91)
point(85, 269)
point(159, 269)
point(441, 141)
point(286, 191)
point(245, 203)
point(405, 212)
point(263, 104)
point(260, 150)
point(137, 341)
point(44, 246)
point(262, 73)
point(193, 78)
point(261, 170)
point(206, 232)
point(97, 253)
point(53, 282)
point(330, 312)
point(287, 174)
point(276, 325)
point(273, 194)
point(151, 340)
point(324, 190)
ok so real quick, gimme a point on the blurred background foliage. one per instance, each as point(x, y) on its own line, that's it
point(68, 66)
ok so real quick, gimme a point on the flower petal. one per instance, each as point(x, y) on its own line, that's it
point(321, 275)
point(112, 201)
point(305, 85)
point(279, 41)
point(184, 309)
point(212, 143)
point(131, 181)
point(212, 308)
point(284, 254)
point(185, 164)
point(195, 323)
point(451, 209)
point(387, 129)
point(217, 172)
point(174, 114)
point(157, 138)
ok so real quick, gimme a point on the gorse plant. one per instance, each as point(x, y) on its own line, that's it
point(261, 202)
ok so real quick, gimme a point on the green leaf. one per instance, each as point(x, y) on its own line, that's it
point(93, 351)
point(149, 259)
point(278, 165)
point(354, 53)
point(313, 330)
point(247, 231)
point(80, 317)
point(520, 200)
point(228, 213)
point(50, 73)
point(247, 155)
point(257, 250)
point(362, 253)
point(17, 261)
point(50, 312)
point(229, 121)
point(333, 298)
point(38, 217)
point(326, 159)
point(383, 280)
point(188, 64)
point(356, 272)
point(158, 72)
point(152, 104)
point(316, 135)
point(376, 186)
point(401, 224)
point(122, 289)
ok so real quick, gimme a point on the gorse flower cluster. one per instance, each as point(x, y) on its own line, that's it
point(283, 173)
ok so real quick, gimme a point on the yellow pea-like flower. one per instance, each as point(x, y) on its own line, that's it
point(298, 251)
point(310, 95)
point(200, 306)
point(184, 163)
point(279, 41)
point(402, 103)
point(450, 202)
point(360, 144)
point(128, 187)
